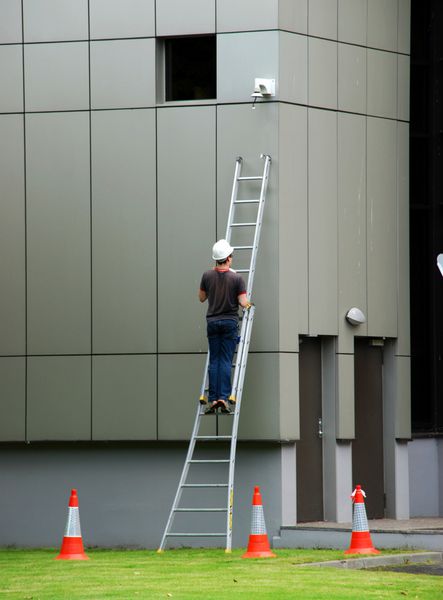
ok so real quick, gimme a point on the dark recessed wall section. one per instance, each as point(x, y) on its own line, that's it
point(190, 68)
point(426, 215)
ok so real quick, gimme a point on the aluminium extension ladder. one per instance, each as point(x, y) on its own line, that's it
point(251, 230)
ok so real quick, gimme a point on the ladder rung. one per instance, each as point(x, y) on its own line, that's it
point(209, 461)
point(246, 201)
point(243, 224)
point(242, 270)
point(204, 485)
point(213, 437)
point(254, 178)
point(200, 509)
point(243, 247)
point(196, 534)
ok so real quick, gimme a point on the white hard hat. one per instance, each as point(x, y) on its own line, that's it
point(221, 250)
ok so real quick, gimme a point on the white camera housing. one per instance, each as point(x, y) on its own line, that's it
point(263, 88)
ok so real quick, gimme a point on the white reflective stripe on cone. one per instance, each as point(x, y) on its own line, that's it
point(360, 520)
point(258, 526)
point(73, 523)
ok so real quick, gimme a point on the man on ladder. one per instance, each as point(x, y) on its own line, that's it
point(225, 291)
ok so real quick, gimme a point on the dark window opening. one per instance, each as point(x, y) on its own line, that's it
point(426, 216)
point(190, 68)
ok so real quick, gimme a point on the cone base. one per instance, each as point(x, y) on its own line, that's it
point(72, 549)
point(361, 543)
point(72, 557)
point(362, 551)
point(258, 547)
point(265, 554)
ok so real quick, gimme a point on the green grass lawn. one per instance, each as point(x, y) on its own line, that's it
point(194, 574)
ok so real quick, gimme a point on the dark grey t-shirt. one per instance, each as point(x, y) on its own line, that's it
point(222, 289)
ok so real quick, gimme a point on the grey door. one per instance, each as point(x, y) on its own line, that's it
point(309, 447)
point(367, 448)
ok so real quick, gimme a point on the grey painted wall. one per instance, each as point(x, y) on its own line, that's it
point(425, 469)
point(125, 492)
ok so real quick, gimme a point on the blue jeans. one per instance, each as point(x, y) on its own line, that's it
point(222, 338)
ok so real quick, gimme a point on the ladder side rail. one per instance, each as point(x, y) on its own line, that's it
point(238, 165)
point(240, 347)
point(263, 190)
point(254, 249)
point(242, 370)
point(183, 477)
point(205, 378)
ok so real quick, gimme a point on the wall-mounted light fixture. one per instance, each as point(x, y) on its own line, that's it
point(440, 263)
point(355, 316)
point(263, 88)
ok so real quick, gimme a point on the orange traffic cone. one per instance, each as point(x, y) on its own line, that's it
point(72, 545)
point(258, 546)
point(361, 542)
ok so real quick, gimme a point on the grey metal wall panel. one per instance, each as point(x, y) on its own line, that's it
point(12, 399)
point(186, 223)
point(322, 74)
point(345, 398)
point(403, 94)
point(124, 397)
point(241, 58)
point(293, 15)
point(56, 76)
point(260, 411)
point(322, 18)
point(124, 232)
point(179, 380)
point(322, 207)
point(382, 24)
point(117, 19)
point(11, 76)
point(404, 26)
point(59, 398)
point(52, 20)
point(352, 78)
point(382, 84)
point(403, 399)
point(58, 228)
point(247, 15)
point(293, 68)
point(382, 227)
point(289, 396)
point(352, 21)
point(175, 17)
point(248, 133)
point(12, 236)
point(404, 324)
point(10, 22)
point(351, 225)
point(123, 73)
point(293, 225)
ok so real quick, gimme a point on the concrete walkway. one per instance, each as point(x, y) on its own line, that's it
point(410, 534)
point(427, 559)
point(434, 524)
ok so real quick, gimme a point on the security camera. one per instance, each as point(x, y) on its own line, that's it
point(440, 263)
point(355, 316)
point(263, 88)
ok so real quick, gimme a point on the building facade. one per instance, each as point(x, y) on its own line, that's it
point(120, 125)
